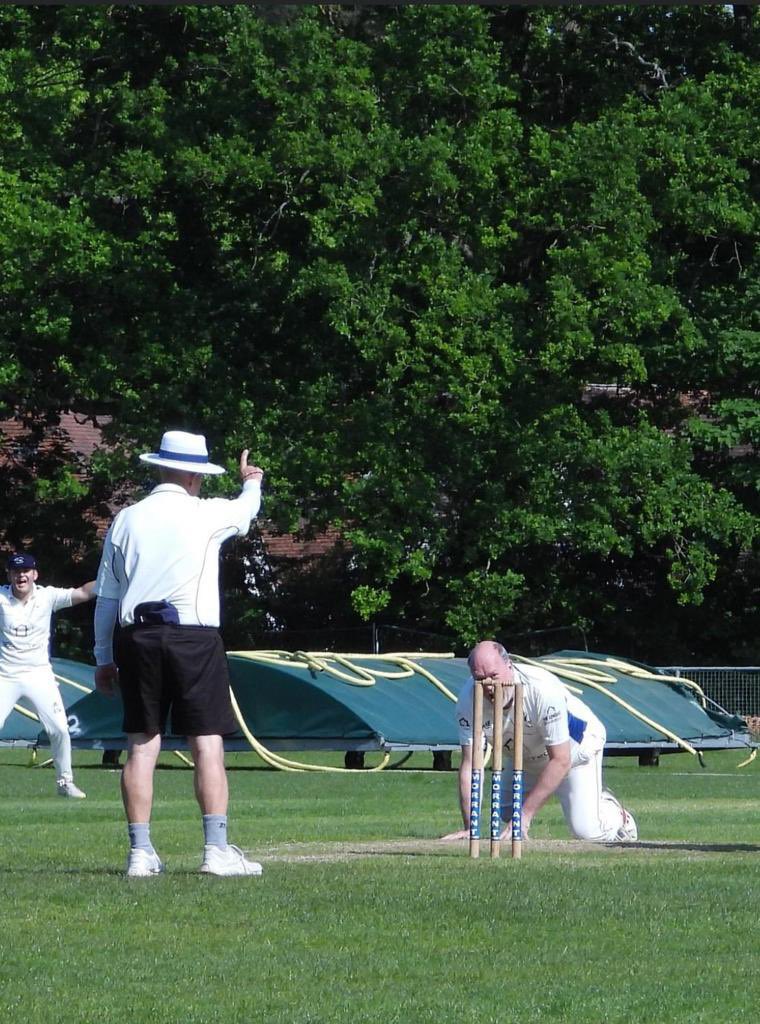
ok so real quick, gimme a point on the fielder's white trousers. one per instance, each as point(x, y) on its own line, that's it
point(41, 690)
point(590, 814)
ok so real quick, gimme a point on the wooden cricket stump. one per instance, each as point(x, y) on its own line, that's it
point(477, 774)
point(497, 760)
point(517, 773)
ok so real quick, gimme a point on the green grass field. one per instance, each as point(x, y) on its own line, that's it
point(361, 917)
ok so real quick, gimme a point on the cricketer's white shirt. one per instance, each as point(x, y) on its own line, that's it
point(551, 715)
point(166, 548)
point(25, 628)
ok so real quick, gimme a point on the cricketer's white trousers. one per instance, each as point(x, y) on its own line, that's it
point(41, 690)
point(590, 813)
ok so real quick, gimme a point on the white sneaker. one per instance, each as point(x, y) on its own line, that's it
point(231, 861)
point(143, 864)
point(628, 832)
point(66, 787)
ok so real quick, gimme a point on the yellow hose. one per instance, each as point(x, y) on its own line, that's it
point(26, 713)
point(636, 671)
point(589, 678)
point(35, 718)
point(590, 674)
point(429, 676)
point(71, 682)
point(283, 763)
point(749, 760)
point(356, 675)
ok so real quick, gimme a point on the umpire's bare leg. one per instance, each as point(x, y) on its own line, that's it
point(210, 780)
point(137, 775)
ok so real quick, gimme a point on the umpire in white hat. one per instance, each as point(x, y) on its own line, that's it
point(159, 577)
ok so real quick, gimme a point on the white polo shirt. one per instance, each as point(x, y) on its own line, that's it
point(552, 715)
point(166, 548)
point(25, 628)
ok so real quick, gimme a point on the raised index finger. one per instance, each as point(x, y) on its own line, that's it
point(244, 459)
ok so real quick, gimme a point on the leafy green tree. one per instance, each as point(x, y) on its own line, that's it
point(476, 285)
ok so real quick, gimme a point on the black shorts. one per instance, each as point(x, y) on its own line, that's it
point(182, 669)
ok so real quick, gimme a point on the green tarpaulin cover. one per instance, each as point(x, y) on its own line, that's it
point(288, 706)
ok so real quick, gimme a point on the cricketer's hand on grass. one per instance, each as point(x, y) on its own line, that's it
point(107, 679)
point(463, 833)
point(452, 837)
point(507, 832)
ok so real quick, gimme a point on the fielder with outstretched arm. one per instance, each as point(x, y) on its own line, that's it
point(25, 670)
point(563, 744)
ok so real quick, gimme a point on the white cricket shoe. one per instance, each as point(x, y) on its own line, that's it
point(628, 832)
point(143, 864)
point(67, 788)
point(230, 861)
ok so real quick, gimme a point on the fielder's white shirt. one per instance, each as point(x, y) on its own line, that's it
point(551, 715)
point(25, 628)
point(166, 548)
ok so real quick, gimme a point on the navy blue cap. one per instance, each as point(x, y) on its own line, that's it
point(21, 561)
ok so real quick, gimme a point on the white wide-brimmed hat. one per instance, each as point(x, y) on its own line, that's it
point(180, 450)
